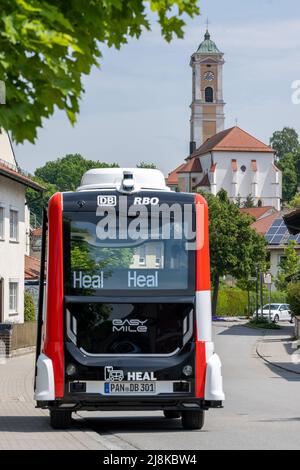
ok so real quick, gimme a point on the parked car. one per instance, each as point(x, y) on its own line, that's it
point(278, 312)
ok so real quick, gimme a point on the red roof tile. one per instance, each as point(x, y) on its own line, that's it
point(192, 166)
point(234, 139)
point(32, 268)
point(37, 232)
point(262, 225)
point(257, 212)
point(172, 178)
point(8, 172)
point(204, 182)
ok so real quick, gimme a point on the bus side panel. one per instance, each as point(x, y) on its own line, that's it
point(203, 301)
point(54, 336)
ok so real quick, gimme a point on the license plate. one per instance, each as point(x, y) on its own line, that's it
point(119, 388)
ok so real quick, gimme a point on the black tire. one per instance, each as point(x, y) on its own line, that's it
point(60, 419)
point(276, 318)
point(193, 419)
point(169, 414)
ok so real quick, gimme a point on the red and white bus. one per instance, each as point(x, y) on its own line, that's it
point(125, 320)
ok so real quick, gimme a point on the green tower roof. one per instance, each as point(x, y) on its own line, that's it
point(208, 46)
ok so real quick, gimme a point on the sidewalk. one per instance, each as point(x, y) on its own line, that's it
point(22, 426)
point(276, 348)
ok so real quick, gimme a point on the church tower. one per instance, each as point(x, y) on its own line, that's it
point(207, 108)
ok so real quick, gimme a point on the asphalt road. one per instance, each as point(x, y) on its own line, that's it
point(262, 407)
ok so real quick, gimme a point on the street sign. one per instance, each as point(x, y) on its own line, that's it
point(267, 278)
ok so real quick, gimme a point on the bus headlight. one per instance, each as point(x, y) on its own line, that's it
point(71, 369)
point(187, 371)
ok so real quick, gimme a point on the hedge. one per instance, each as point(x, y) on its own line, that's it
point(293, 297)
point(29, 310)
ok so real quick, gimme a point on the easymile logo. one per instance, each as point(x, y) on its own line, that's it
point(129, 325)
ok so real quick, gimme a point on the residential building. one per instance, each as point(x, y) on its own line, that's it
point(14, 232)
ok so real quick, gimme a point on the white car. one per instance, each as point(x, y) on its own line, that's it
point(278, 312)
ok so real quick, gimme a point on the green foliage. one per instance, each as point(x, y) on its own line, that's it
point(289, 176)
point(66, 172)
point(46, 47)
point(62, 174)
point(37, 202)
point(29, 309)
point(293, 297)
point(263, 323)
point(232, 301)
point(235, 248)
point(295, 201)
point(285, 141)
point(289, 266)
point(249, 202)
point(146, 165)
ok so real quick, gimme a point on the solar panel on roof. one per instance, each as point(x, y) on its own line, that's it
point(278, 233)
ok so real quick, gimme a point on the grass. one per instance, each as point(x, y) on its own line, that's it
point(262, 323)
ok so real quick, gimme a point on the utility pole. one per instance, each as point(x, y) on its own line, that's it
point(256, 293)
point(261, 293)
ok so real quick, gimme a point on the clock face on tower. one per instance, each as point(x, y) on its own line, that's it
point(209, 76)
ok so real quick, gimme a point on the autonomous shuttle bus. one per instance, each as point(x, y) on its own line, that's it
point(125, 319)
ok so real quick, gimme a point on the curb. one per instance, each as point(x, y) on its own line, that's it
point(272, 363)
point(22, 351)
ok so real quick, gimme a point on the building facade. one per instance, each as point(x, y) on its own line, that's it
point(229, 159)
point(207, 107)
point(14, 233)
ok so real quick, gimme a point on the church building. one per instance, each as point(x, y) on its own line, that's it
point(231, 159)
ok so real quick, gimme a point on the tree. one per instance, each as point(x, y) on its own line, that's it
point(289, 176)
point(29, 309)
point(295, 202)
point(235, 248)
point(62, 174)
point(37, 202)
point(146, 165)
point(249, 202)
point(285, 141)
point(46, 47)
point(293, 297)
point(289, 266)
point(66, 172)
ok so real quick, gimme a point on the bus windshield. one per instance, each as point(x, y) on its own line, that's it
point(94, 265)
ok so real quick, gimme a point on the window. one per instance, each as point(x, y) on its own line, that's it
point(1, 223)
point(157, 256)
point(209, 94)
point(13, 297)
point(142, 255)
point(13, 225)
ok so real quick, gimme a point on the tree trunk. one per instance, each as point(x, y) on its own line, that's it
point(215, 294)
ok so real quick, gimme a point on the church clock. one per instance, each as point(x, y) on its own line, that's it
point(209, 76)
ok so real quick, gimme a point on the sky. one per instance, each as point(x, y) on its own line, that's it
point(136, 107)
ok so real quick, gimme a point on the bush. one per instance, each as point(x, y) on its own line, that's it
point(263, 323)
point(29, 309)
point(293, 297)
point(232, 301)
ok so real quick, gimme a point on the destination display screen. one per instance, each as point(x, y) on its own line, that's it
point(95, 264)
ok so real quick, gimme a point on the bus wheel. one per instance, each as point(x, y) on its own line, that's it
point(60, 419)
point(172, 414)
point(193, 419)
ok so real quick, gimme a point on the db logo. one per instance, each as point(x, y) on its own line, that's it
point(107, 200)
